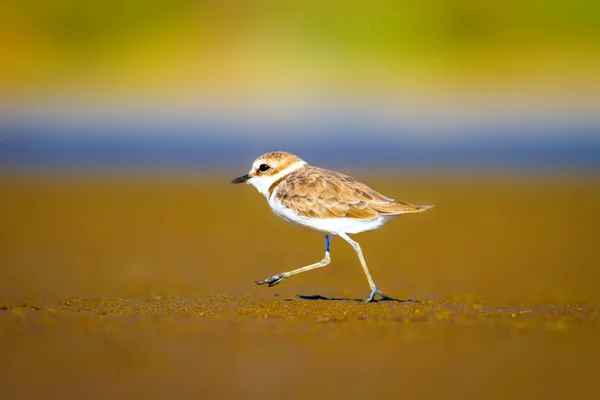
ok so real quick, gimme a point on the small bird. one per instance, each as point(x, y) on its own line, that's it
point(325, 201)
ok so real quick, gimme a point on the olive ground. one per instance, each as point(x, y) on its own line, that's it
point(142, 287)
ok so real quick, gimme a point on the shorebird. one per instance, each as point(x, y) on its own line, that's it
point(325, 201)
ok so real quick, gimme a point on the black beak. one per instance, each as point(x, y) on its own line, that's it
point(241, 179)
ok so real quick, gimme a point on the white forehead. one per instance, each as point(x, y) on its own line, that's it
point(273, 163)
point(257, 163)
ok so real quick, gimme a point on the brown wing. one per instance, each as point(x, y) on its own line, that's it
point(319, 193)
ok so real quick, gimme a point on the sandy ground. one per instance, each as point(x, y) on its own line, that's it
point(118, 287)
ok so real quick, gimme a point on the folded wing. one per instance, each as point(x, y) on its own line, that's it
point(319, 193)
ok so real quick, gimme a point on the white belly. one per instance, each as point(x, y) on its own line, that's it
point(327, 225)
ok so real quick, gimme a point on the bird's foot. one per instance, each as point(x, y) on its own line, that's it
point(376, 292)
point(274, 280)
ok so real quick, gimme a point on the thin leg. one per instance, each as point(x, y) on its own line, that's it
point(374, 290)
point(276, 279)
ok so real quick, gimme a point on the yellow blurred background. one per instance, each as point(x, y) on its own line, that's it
point(412, 84)
point(240, 51)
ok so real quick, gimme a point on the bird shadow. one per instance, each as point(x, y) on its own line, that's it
point(319, 297)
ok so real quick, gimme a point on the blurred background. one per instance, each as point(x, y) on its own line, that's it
point(186, 84)
point(123, 121)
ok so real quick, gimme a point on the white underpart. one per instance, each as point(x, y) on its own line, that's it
point(263, 183)
point(327, 225)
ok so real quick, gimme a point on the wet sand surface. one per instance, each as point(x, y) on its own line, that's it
point(143, 288)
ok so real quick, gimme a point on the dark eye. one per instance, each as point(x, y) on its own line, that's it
point(263, 168)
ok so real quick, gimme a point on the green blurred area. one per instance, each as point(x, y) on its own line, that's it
point(165, 43)
point(381, 25)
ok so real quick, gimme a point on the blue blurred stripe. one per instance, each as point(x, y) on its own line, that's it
point(24, 146)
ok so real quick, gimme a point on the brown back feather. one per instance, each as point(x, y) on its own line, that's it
point(320, 193)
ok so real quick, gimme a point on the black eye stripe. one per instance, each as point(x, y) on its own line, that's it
point(263, 168)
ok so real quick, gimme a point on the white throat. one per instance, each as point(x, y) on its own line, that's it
point(263, 183)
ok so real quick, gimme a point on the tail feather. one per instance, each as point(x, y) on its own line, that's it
point(425, 207)
point(420, 208)
point(398, 207)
